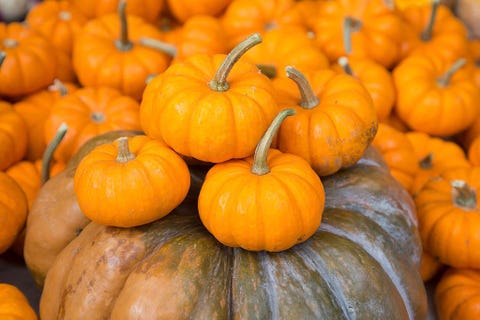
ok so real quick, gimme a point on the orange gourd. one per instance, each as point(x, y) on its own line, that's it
point(270, 201)
point(88, 112)
point(109, 52)
point(474, 55)
point(131, 182)
point(448, 217)
point(335, 120)
point(13, 136)
point(13, 211)
point(182, 10)
point(14, 304)
point(210, 107)
point(434, 95)
point(430, 267)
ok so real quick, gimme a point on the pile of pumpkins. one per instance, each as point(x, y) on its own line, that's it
point(264, 159)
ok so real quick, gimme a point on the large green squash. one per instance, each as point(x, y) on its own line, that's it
point(362, 263)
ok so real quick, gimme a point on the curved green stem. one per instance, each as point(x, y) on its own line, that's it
point(124, 154)
point(309, 98)
point(260, 165)
point(426, 35)
point(50, 150)
point(58, 86)
point(164, 47)
point(427, 162)
point(347, 68)
point(350, 25)
point(444, 80)
point(219, 82)
point(124, 43)
point(463, 195)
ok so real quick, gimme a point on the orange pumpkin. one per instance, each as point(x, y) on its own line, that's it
point(457, 294)
point(473, 152)
point(308, 10)
point(435, 96)
point(14, 304)
point(108, 52)
point(270, 201)
point(182, 10)
point(474, 55)
point(13, 211)
point(360, 28)
point(448, 217)
point(429, 266)
point(88, 112)
point(398, 153)
point(27, 176)
point(13, 136)
point(434, 155)
point(281, 48)
point(131, 182)
point(245, 17)
point(377, 80)
point(210, 107)
point(335, 120)
point(30, 63)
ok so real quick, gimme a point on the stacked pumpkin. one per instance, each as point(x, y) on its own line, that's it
point(175, 136)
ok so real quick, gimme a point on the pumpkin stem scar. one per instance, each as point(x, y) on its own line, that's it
point(219, 82)
point(124, 154)
point(64, 15)
point(268, 69)
point(426, 35)
point(427, 162)
point(97, 117)
point(309, 98)
point(260, 165)
point(50, 150)
point(350, 25)
point(463, 195)
point(58, 85)
point(347, 68)
point(123, 44)
point(10, 43)
point(164, 47)
point(444, 80)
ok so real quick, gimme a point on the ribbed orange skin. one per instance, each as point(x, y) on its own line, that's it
point(14, 304)
point(30, 65)
point(281, 48)
point(133, 193)
point(149, 10)
point(13, 136)
point(399, 154)
point(445, 155)
point(457, 295)
point(335, 133)
point(378, 81)
point(76, 110)
point(180, 108)
point(245, 17)
point(98, 62)
point(13, 211)
point(270, 212)
point(379, 38)
point(427, 107)
point(449, 231)
point(449, 34)
point(473, 152)
point(182, 10)
point(429, 266)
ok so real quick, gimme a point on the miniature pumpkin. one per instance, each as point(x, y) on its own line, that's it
point(129, 182)
point(13, 210)
point(182, 10)
point(364, 255)
point(14, 304)
point(429, 266)
point(228, 107)
point(434, 95)
point(30, 63)
point(90, 111)
point(474, 55)
point(456, 294)
point(108, 52)
point(13, 136)
point(335, 119)
point(448, 217)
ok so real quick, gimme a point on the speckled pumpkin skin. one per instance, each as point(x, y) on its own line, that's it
point(362, 263)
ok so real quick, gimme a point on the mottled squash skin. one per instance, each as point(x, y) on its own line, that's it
point(362, 263)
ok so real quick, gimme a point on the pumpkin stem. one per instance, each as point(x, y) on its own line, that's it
point(50, 150)
point(164, 47)
point(309, 98)
point(444, 80)
point(347, 68)
point(268, 70)
point(350, 25)
point(427, 162)
point(219, 83)
point(97, 117)
point(260, 165)
point(124, 154)
point(3, 55)
point(123, 44)
point(58, 86)
point(426, 35)
point(65, 15)
point(463, 195)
